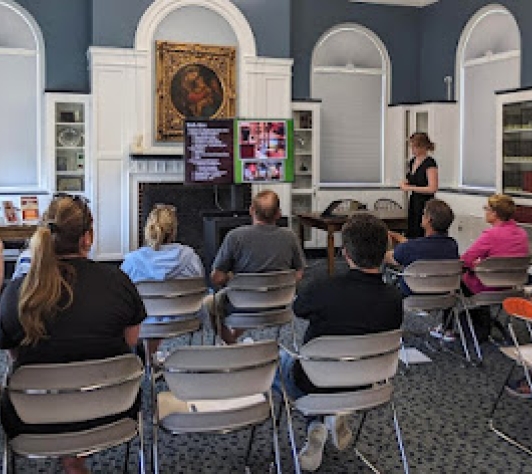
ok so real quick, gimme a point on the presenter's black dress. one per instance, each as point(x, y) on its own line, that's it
point(417, 201)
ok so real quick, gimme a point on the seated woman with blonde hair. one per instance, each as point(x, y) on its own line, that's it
point(67, 308)
point(162, 258)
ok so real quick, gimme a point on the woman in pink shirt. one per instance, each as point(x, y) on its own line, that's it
point(504, 239)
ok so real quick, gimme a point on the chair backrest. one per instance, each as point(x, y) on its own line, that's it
point(351, 361)
point(220, 372)
point(75, 391)
point(518, 307)
point(180, 296)
point(386, 204)
point(262, 290)
point(503, 271)
point(433, 276)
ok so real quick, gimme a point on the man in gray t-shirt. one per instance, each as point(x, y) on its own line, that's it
point(260, 247)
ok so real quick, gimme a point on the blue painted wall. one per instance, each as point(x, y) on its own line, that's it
point(421, 42)
point(66, 27)
point(441, 27)
point(397, 27)
point(115, 23)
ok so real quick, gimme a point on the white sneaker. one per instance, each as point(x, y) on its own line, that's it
point(311, 453)
point(247, 340)
point(341, 434)
point(437, 331)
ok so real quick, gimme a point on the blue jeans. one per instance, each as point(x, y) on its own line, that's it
point(286, 366)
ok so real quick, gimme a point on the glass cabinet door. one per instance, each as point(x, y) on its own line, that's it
point(70, 136)
point(517, 149)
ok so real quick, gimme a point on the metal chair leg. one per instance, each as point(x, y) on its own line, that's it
point(290, 427)
point(276, 449)
point(142, 459)
point(501, 391)
point(7, 458)
point(399, 439)
point(155, 454)
point(473, 335)
point(405, 354)
point(250, 443)
point(462, 336)
point(126, 457)
point(359, 429)
point(294, 335)
point(491, 422)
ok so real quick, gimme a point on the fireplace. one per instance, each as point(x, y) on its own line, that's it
point(191, 202)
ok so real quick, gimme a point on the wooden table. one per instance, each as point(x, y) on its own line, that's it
point(395, 219)
point(15, 234)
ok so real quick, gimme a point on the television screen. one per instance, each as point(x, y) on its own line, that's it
point(263, 151)
point(209, 151)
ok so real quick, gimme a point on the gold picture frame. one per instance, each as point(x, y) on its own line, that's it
point(193, 81)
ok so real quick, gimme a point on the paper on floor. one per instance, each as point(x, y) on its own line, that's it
point(413, 356)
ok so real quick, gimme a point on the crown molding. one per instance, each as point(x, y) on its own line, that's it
point(404, 3)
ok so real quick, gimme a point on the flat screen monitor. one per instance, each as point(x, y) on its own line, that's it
point(264, 151)
point(209, 151)
point(235, 151)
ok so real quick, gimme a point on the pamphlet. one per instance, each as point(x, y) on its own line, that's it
point(10, 213)
point(29, 206)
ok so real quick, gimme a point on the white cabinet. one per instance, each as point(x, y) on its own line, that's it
point(306, 115)
point(514, 144)
point(67, 141)
point(514, 150)
point(440, 121)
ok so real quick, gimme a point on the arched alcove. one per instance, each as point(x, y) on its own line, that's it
point(21, 95)
point(216, 22)
point(351, 74)
point(488, 59)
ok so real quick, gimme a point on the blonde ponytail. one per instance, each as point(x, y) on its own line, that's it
point(42, 288)
point(161, 226)
point(48, 286)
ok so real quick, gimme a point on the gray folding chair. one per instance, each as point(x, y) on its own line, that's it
point(435, 285)
point(75, 392)
point(507, 275)
point(261, 300)
point(386, 204)
point(361, 368)
point(218, 389)
point(518, 309)
point(173, 307)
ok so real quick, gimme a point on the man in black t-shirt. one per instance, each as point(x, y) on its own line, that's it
point(355, 303)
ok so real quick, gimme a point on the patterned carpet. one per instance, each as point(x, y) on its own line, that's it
point(442, 406)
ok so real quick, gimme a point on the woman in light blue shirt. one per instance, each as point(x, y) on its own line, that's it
point(162, 258)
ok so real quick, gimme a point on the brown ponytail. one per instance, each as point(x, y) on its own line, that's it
point(47, 288)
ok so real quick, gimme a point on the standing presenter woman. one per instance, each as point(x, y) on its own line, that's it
point(421, 181)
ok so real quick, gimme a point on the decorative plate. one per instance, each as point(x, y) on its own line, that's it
point(69, 136)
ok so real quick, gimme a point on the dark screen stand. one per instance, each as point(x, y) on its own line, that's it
point(234, 197)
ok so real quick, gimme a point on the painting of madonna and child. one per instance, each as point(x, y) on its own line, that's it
point(196, 91)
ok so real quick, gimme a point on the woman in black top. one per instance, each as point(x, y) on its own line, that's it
point(67, 308)
point(421, 181)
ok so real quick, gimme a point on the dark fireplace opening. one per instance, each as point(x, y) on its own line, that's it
point(191, 203)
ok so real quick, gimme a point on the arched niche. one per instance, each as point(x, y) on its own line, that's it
point(488, 58)
point(22, 81)
point(351, 74)
point(191, 21)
